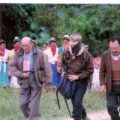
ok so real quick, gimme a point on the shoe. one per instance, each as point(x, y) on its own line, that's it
point(86, 118)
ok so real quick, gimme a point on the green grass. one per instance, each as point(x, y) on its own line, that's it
point(9, 105)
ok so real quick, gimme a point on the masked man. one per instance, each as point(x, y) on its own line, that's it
point(77, 62)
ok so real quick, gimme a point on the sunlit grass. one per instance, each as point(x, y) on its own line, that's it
point(9, 105)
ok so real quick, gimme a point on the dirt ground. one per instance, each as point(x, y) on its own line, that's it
point(102, 115)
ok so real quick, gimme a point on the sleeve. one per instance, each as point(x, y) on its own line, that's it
point(47, 70)
point(13, 67)
point(63, 62)
point(88, 70)
point(102, 71)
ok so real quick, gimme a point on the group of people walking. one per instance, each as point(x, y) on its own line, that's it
point(34, 68)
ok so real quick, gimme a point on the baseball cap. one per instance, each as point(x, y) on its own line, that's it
point(66, 37)
point(75, 39)
point(52, 40)
point(16, 39)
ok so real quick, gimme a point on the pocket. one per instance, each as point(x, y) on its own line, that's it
point(24, 83)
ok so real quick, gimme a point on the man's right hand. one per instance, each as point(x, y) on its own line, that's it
point(47, 87)
point(103, 88)
point(26, 75)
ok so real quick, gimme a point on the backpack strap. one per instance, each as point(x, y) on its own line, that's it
point(68, 107)
point(58, 102)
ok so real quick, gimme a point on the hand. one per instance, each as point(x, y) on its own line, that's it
point(47, 87)
point(9, 75)
point(103, 88)
point(62, 74)
point(73, 77)
point(58, 69)
point(26, 75)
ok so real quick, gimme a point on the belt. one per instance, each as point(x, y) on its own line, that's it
point(28, 72)
point(116, 82)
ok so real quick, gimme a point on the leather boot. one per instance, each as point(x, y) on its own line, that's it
point(86, 118)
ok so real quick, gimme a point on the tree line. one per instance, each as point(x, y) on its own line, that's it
point(96, 23)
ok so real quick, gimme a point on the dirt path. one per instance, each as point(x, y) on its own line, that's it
point(102, 115)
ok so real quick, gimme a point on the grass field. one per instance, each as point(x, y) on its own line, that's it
point(9, 105)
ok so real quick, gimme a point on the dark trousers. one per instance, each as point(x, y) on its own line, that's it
point(113, 102)
point(77, 102)
point(29, 98)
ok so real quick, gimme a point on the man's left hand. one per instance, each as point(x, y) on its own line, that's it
point(73, 77)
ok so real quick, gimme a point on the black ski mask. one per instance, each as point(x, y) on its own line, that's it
point(76, 48)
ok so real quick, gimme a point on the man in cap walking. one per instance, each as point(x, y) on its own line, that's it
point(78, 64)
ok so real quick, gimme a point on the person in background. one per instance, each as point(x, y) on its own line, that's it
point(110, 77)
point(77, 63)
point(16, 48)
point(34, 43)
point(65, 44)
point(30, 65)
point(16, 45)
point(44, 46)
point(52, 53)
point(4, 56)
point(95, 85)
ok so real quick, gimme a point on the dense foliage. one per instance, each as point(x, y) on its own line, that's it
point(96, 23)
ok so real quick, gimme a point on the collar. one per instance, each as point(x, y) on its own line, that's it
point(79, 53)
point(21, 51)
point(115, 57)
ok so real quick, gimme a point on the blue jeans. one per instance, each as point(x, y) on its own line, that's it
point(113, 102)
point(77, 101)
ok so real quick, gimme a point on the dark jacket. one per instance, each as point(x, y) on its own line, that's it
point(106, 70)
point(42, 69)
point(81, 65)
